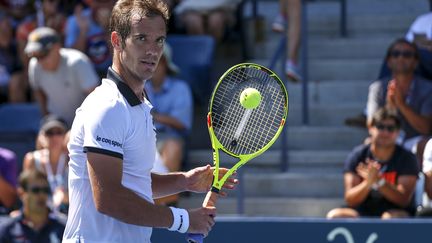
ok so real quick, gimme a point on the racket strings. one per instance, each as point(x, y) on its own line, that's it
point(264, 121)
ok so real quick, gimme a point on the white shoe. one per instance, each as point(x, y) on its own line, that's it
point(279, 24)
point(292, 72)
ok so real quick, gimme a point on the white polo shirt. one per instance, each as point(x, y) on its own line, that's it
point(111, 121)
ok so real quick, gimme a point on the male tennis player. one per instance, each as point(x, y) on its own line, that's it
point(112, 144)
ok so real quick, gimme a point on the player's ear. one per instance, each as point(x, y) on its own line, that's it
point(116, 41)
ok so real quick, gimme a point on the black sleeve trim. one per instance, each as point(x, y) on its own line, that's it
point(103, 151)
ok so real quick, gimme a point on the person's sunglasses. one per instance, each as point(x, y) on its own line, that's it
point(404, 54)
point(41, 55)
point(37, 189)
point(54, 132)
point(389, 128)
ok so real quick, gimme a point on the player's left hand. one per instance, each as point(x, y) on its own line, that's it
point(200, 179)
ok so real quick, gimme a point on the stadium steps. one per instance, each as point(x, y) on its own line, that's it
point(340, 70)
point(271, 206)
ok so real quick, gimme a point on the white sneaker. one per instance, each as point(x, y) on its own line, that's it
point(292, 72)
point(279, 24)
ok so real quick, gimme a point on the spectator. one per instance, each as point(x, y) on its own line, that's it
point(51, 160)
point(87, 31)
point(290, 12)
point(379, 177)
point(8, 175)
point(10, 69)
point(426, 205)
point(212, 17)
point(420, 33)
point(405, 93)
point(172, 112)
point(60, 78)
point(19, 10)
point(34, 223)
point(52, 18)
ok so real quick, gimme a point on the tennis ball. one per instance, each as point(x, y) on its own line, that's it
point(250, 98)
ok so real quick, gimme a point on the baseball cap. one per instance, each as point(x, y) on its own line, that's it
point(172, 67)
point(41, 40)
point(52, 121)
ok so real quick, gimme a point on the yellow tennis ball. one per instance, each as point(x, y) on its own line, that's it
point(250, 98)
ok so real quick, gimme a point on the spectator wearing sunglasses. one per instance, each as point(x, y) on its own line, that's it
point(51, 159)
point(60, 77)
point(406, 93)
point(379, 177)
point(34, 223)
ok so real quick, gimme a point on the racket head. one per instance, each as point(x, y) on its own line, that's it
point(263, 124)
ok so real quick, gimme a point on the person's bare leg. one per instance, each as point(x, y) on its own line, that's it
point(394, 213)
point(171, 155)
point(294, 28)
point(279, 22)
point(342, 213)
point(293, 39)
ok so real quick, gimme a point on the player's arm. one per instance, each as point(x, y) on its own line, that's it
point(113, 199)
point(401, 193)
point(196, 180)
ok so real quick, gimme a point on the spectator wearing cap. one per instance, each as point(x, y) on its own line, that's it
point(35, 222)
point(60, 78)
point(51, 159)
point(8, 179)
point(172, 111)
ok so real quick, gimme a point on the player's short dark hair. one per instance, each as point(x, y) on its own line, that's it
point(123, 10)
point(384, 114)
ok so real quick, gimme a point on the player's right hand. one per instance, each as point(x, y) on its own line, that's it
point(201, 220)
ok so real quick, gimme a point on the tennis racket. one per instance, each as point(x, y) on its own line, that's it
point(240, 132)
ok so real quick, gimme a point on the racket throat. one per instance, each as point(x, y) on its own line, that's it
point(215, 189)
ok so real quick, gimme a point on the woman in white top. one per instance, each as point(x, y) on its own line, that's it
point(51, 158)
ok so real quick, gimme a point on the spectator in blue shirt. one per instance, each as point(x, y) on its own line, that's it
point(172, 111)
point(87, 31)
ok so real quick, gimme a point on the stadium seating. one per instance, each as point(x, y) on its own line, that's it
point(19, 125)
point(194, 56)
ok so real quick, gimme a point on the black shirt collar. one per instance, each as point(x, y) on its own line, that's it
point(124, 89)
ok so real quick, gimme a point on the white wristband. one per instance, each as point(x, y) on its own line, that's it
point(180, 220)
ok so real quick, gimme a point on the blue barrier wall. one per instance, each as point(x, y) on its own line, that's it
point(292, 230)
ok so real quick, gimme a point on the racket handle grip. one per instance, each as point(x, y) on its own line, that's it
point(209, 201)
point(195, 238)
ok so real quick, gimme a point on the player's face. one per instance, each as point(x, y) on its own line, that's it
point(143, 47)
